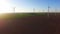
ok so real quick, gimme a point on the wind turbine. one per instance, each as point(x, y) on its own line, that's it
point(34, 10)
point(43, 10)
point(14, 9)
point(55, 11)
point(48, 10)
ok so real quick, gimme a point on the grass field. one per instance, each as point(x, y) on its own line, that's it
point(22, 15)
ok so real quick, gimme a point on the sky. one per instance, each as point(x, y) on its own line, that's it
point(28, 5)
point(36, 3)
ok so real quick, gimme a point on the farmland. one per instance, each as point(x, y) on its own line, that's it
point(31, 23)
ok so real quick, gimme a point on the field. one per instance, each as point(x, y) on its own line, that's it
point(31, 23)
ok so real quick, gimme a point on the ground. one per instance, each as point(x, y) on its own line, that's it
point(35, 24)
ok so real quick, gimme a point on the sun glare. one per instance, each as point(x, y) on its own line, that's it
point(4, 6)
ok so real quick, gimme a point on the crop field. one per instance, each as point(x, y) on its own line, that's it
point(30, 23)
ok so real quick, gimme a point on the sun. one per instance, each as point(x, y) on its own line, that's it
point(4, 6)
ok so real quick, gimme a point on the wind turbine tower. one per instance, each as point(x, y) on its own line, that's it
point(55, 11)
point(48, 10)
point(33, 10)
point(14, 9)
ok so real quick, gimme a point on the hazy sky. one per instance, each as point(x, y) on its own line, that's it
point(21, 5)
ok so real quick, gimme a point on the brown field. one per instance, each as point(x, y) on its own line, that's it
point(32, 25)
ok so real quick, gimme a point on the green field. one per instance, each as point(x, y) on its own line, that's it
point(21, 15)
